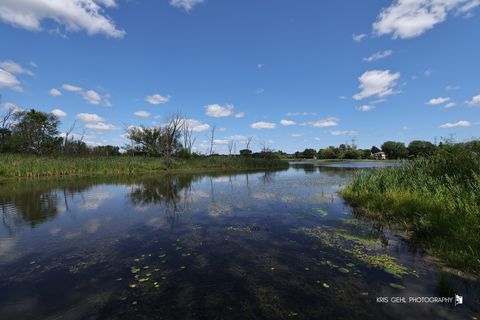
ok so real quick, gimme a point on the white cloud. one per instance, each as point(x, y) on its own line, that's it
point(263, 125)
point(449, 105)
point(142, 114)
point(15, 68)
point(196, 125)
point(100, 126)
point(55, 92)
point(324, 123)
point(8, 80)
point(59, 113)
point(439, 100)
point(187, 5)
point(89, 117)
point(378, 55)
point(240, 115)
point(358, 37)
point(410, 18)
point(461, 123)
point(10, 106)
point(219, 111)
point(71, 88)
point(343, 133)
point(365, 108)
point(157, 99)
point(379, 83)
point(92, 97)
point(260, 66)
point(296, 135)
point(475, 102)
point(73, 15)
point(260, 91)
point(284, 122)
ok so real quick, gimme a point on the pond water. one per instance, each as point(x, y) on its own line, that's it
point(251, 245)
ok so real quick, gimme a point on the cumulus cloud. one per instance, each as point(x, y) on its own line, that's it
point(55, 92)
point(8, 80)
point(439, 100)
point(378, 55)
point(284, 122)
point(324, 123)
point(73, 15)
point(410, 18)
point(343, 133)
point(263, 125)
point(219, 111)
point(196, 125)
point(449, 105)
point(358, 37)
point(240, 115)
point(461, 123)
point(59, 113)
point(100, 126)
point(377, 83)
point(15, 68)
point(474, 102)
point(142, 114)
point(157, 99)
point(71, 88)
point(89, 117)
point(92, 97)
point(365, 107)
point(186, 5)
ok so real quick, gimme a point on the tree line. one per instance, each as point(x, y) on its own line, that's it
point(393, 150)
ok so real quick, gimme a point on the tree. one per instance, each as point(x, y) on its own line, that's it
point(309, 153)
point(211, 138)
point(395, 150)
point(171, 135)
point(374, 149)
point(36, 132)
point(5, 128)
point(420, 148)
point(329, 153)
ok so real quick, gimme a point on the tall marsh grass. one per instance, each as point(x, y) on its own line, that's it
point(15, 165)
point(437, 199)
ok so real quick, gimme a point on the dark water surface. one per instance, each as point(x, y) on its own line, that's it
point(256, 245)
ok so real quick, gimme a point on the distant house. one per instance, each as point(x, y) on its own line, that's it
point(378, 156)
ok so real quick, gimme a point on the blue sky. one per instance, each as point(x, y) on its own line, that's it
point(291, 74)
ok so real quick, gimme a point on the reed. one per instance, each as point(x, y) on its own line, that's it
point(436, 199)
point(15, 165)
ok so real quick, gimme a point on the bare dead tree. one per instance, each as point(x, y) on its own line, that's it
point(68, 133)
point(5, 125)
point(211, 138)
point(230, 147)
point(248, 142)
point(171, 134)
point(188, 138)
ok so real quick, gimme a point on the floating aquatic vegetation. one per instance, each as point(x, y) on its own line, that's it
point(325, 285)
point(361, 250)
point(135, 270)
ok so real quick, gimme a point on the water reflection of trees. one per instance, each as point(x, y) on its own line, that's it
point(33, 202)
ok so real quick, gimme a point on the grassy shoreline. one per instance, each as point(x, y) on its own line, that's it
point(436, 200)
point(26, 166)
